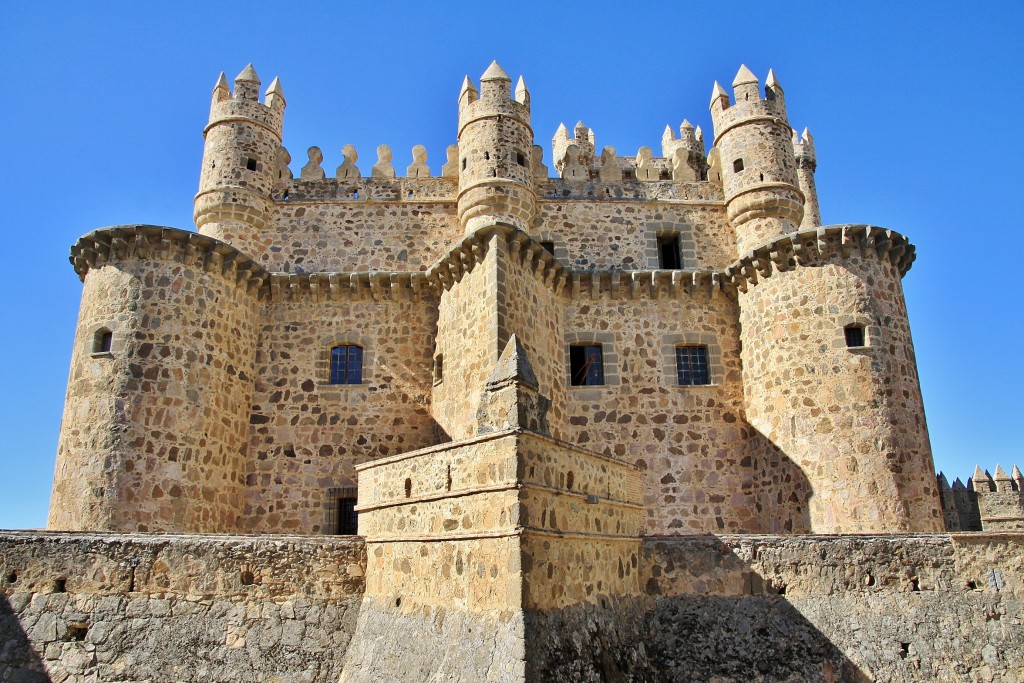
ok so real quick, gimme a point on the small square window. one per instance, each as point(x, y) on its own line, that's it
point(737, 165)
point(692, 366)
point(586, 366)
point(250, 164)
point(348, 518)
point(854, 336)
point(347, 365)
point(668, 253)
point(102, 341)
point(521, 159)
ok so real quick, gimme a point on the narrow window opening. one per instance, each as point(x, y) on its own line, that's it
point(548, 246)
point(904, 650)
point(250, 164)
point(247, 577)
point(346, 364)
point(570, 479)
point(348, 519)
point(102, 341)
point(762, 176)
point(494, 173)
point(487, 156)
point(666, 175)
point(448, 483)
point(355, 195)
point(286, 195)
point(438, 368)
point(408, 487)
point(669, 257)
point(76, 632)
point(737, 165)
point(692, 366)
point(521, 159)
point(854, 336)
point(586, 366)
point(463, 163)
point(60, 586)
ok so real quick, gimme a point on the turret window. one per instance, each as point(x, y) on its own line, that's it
point(102, 341)
point(250, 164)
point(855, 338)
point(521, 159)
point(692, 368)
point(347, 364)
point(737, 165)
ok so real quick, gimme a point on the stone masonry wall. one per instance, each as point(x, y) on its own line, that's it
point(306, 434)
point(851, 418)
point(154, 432)
point(467, 338)
point(691, 441)
point(90, 607)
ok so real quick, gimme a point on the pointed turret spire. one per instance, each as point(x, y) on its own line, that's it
point(1017, 476)
point(522, 94)
point(275, 94)
point(771, 81)
point(495, 73)
point(562, 131)
point(958, 485)
point(943, 482)
point(1002, 479)
point(744, 76)
point(981, 481)
point(668, 133)
point(719, 96)
point(221, 91)
point(468, 92)
point(247, 84)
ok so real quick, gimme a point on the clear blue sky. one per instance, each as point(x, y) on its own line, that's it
point(914, 108)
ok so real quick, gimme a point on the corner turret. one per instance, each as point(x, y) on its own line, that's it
point(240, 161)
point(752, 136)
point(495, 148)
point(806, 164)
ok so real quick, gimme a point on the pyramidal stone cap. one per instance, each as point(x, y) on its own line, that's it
point(743, 76)
point(718, 92)
point(222, 82)
point(495, 73)
point(248, 75)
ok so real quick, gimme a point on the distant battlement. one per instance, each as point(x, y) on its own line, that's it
point(988, 502)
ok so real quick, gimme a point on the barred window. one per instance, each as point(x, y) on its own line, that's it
point(347, 364)
point(854, 336)
point(348, 519)
point(586, 366)
point(692, 365)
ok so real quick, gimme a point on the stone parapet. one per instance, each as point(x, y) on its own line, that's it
point(153, 242)
point(807, 247)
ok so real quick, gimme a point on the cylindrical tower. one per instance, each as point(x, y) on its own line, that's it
point(495, 148)
point(830, 376)
point(806, 165)
point(763, 200)
point(155, 427)
point(240, 162)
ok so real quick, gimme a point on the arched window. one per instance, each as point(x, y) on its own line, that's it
point(347, 364)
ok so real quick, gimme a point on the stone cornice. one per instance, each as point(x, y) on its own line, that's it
point(810, 247)
point(153, 242)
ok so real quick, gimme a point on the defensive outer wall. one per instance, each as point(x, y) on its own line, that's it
point(152, 607)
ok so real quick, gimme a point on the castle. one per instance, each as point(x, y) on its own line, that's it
point(516, 408)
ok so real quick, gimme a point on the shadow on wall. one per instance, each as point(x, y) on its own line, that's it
point(782, 490)
point(19, 661)
point(753, 635)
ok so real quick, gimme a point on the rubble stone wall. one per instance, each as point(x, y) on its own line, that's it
point(153, 435)
point(306, 434)
point(135, 607)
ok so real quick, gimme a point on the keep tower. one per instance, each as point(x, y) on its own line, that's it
point(829, 375)
point(239, 162)
point(754, 141)
point(495, 147)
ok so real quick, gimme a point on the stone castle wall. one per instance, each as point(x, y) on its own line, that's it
point(134, 607)
point(851, 418)
point(154, 432)
point(728, 608)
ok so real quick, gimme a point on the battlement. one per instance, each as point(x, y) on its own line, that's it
point(244, 102)
point(989, 502)
point(748, 104)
